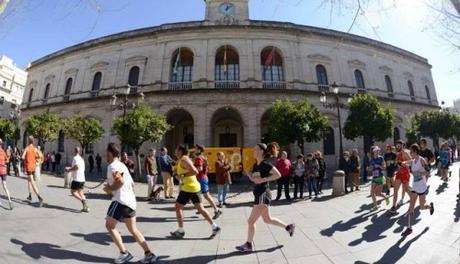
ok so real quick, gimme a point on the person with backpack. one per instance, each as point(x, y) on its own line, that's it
point(3, 172)
point(201, 163)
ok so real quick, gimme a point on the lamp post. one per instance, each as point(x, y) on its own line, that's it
point(338, 106)
point(125, 104)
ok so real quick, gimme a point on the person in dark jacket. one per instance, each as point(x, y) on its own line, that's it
point(322, 171)
point(345, 166)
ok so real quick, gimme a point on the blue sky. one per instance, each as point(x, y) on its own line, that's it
point(31, 29)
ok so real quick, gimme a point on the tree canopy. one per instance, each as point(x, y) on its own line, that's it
point(44, 126)
point(85, 130)
point(7, 129)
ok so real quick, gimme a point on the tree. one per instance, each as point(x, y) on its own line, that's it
point(369, 119)
point(45, 127)
point(85, 130)
point(435, 124)
point(290, 123)
point(7, 129)
point(139, 126)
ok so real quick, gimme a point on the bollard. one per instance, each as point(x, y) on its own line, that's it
point(338, 183)
point(67, 177)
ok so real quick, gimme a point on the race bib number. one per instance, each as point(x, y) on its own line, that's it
point(375, 173)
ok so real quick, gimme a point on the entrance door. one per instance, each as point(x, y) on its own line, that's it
point(228, 140)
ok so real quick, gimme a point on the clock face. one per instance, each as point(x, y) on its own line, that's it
point(227, 9)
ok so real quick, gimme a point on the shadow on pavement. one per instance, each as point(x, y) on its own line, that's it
point(396, 252)
point(457, 211)
point(97, 196)
point(56, 186)
point(166, 219)
point(104, 239)
point(441, 188)
point(60, 208)
point(345, 226)
point(39, 250)
point(203, 259)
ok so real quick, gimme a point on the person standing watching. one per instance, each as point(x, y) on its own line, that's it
point(151, 169)
point(283, 164)
point(128, 163)
point(120, 185)
point(355, 163)
point(78, 179)
point(311, 172)
point(58, 162)
point(3, 172)
point(299, 176)
point(322, 171)
point(30, 155)
point(99, 163)
point(166, 173)
point(345, 166)
point(91, 163)
point(223, 178)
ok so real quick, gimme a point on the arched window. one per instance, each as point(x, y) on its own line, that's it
point(329, 142)
point(389, 86)
point(360, 81)
point(181, 69)
point(133, 78)
point(68, 87)
point(321, 76)
point(272, 68)
point(428, 94)
point(227, 69)
point(47, 93)
point(97, 81)
point(411, 90)
point(396, 135)
point(61, 140)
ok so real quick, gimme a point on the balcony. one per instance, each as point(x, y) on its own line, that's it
point(227, 84)
point(362, 91)
point(274, 85)
point(178, 86)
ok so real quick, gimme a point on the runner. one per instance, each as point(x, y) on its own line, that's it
point(444, 159)
point(402, 175)
point(261, 175)
point(377, 166)
point(201, 164)
point(78, 179)
point(120, 185)
point(30, 156)
point(419, 186)
point(3, 172)
point(390, 162)
point(189, 191)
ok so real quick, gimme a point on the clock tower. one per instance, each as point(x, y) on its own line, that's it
point(227, 12)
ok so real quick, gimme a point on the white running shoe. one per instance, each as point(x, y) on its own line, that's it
point(123, 258)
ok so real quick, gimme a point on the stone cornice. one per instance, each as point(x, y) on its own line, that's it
point(296, 29)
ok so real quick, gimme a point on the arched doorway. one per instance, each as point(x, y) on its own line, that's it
point(265, 127)
point(182, 131)
point(227, 128)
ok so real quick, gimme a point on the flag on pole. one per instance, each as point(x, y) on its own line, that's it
point(269, 61)
point(176, 64)
point(225, 61)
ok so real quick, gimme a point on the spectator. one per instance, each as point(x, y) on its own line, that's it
point(345, 166)
point(128, 163)
point(91, 163)
point(53, 161)
point(223, 178)
point(321, 172)
point(58, 162)
point(166, 173)
point(151, 170)
point(299, 176)
point(311, 173)
point(355, 165)
point(283, 164)
point(99, 163)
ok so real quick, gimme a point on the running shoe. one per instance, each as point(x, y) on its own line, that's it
point(177, 234)
point(387, 200)
point(149, 259)
point(11, 205)
point(407, 232)
point(29, 198)
point(290, 229)
point(85, 209)
point(374, 208)
point(393, 210)
point(431, 208)
point(246, 247)
point(215, 231)
point(123, 258)
point(217, 214)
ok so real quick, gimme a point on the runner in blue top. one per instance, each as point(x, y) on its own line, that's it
point(377, 166)
point(444, 158)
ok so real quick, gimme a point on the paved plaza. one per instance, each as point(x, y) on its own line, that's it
point(329, 230)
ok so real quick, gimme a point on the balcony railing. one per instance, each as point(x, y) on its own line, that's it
point(274, 85)
point(177, 86)
point(227, 84)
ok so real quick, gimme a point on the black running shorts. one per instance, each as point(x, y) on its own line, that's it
point(185, 197)
point(75, 186)
point(119, 211)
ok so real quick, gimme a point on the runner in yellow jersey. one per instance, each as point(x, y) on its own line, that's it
point(189, 191)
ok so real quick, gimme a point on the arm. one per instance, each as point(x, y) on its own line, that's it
point(118, 181)
point(188, 165)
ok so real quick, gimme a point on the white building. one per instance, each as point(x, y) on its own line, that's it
point(12, 83)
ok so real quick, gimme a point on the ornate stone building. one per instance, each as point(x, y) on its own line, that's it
point(216, 79)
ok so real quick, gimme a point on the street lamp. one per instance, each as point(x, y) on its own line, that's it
point(125, 104)
point(338, 106)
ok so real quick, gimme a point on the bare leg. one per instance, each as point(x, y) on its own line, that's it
point(268, 219)
point(111, 225)
point(208, 197)
point(180, 215)
point(76, 194)
point(397, 184)
point(82, 194)
point(6, 191)
point(32, 185)
point(255, 214)
point(204, 213)
point(132, 228)
point(374, 199)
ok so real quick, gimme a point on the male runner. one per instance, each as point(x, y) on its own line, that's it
point(78, 179)
point(30, 155)
point(3, 172)
point(402, 175)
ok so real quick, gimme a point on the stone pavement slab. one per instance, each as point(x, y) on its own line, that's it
point(338, 230)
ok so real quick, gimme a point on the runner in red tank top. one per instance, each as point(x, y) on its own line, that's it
point(402, 175)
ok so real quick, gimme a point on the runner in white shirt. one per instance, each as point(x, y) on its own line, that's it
point(123, 207)
point(78, 178)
